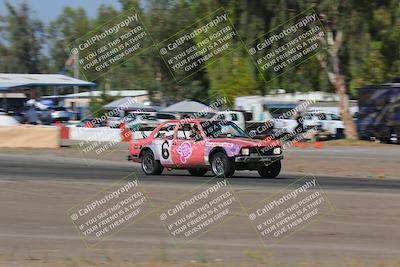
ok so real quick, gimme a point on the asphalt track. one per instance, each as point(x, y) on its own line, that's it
point(28, 167)
point(36, 190)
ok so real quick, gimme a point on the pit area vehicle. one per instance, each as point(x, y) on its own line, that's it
point(59, 114)
point(201, 145)
point(237, 117)
point(331, 123)
point(7, 120)
point(379, 112)
point(135, 121)
point(326, 124)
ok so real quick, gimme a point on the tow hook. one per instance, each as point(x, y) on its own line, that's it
point(129, 158)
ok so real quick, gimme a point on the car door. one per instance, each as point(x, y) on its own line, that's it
point(336, 123)
point(162, 143)
point(187, 147)
point(331, 125)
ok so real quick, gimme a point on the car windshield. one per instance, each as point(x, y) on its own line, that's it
point(148, 117)
point(218, 129)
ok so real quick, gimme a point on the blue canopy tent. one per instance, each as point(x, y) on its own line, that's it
point(11, 82)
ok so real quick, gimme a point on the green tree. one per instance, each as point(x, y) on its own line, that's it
point(63, 32)
point(23, 39)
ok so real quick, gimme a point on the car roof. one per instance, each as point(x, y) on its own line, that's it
point(320, 111)
point(188, 121)
point(183, 121)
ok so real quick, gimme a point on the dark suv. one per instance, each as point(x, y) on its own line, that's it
point(379, 112)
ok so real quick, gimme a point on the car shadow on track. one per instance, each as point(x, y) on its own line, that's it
point(239, 175)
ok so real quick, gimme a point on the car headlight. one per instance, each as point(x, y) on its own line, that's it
point(276, 151)
point(245, 151)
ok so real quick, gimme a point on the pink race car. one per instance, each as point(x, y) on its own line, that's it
point(201, 145)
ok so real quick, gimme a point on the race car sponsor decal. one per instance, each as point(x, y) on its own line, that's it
point(221, 144)
point(185, 151)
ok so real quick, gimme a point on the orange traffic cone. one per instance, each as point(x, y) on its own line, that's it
point(126, 134)
point(88, 125)
point(318, 145)
point(296, 143)
point(303, 146)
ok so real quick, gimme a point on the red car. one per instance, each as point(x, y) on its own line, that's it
point(201, 145)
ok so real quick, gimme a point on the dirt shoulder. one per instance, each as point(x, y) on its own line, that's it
point(332, 158)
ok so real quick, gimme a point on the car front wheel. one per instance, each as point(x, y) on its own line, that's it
point(270, 171)
point(222, 166)
point(150, 166)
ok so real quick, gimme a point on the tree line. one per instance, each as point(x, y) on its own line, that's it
point(366, 33)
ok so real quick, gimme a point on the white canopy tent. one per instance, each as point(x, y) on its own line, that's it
point(128, 104)
point(12, 81)
point(189, 106)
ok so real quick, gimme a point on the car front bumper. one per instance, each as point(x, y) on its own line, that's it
point(270, 158)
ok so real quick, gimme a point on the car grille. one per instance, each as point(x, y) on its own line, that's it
point(261, 151)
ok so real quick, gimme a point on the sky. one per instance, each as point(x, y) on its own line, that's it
point(48, 10)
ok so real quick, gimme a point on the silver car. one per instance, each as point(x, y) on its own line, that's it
point(60, 114)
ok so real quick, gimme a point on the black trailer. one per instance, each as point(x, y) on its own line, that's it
point(379, 112)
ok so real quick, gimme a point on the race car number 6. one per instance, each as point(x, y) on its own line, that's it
point(164, 150)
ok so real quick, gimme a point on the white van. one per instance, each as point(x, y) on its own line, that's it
point(135, 121)
point(326, 122)
point(235, 116)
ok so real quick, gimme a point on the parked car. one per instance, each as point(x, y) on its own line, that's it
point(45, 116)
point(135, 121)
point(379, 112)
point(236, 116)
point(325, 123)
point(7, 120)
point(331, 123)
point(166, 116)
point(141, 121)
point(59, 114)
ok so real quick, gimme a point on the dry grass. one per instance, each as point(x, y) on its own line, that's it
point(345, 142)
point(251, 258)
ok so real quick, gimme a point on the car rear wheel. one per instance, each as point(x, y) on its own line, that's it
point(222, 166)
point(270, 171)
point(150, 166)
point(197, 171)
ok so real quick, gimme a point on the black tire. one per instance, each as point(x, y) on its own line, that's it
point(398, 136)
point(222, 166)
point(339, 133)
point(197, 171)
point(270, 171)
point(150, 166)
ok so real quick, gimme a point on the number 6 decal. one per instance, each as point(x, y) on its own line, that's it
point(165, 150)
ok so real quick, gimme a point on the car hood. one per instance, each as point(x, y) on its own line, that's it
point(242, 142)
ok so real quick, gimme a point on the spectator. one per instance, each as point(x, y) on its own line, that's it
point(31, 116)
